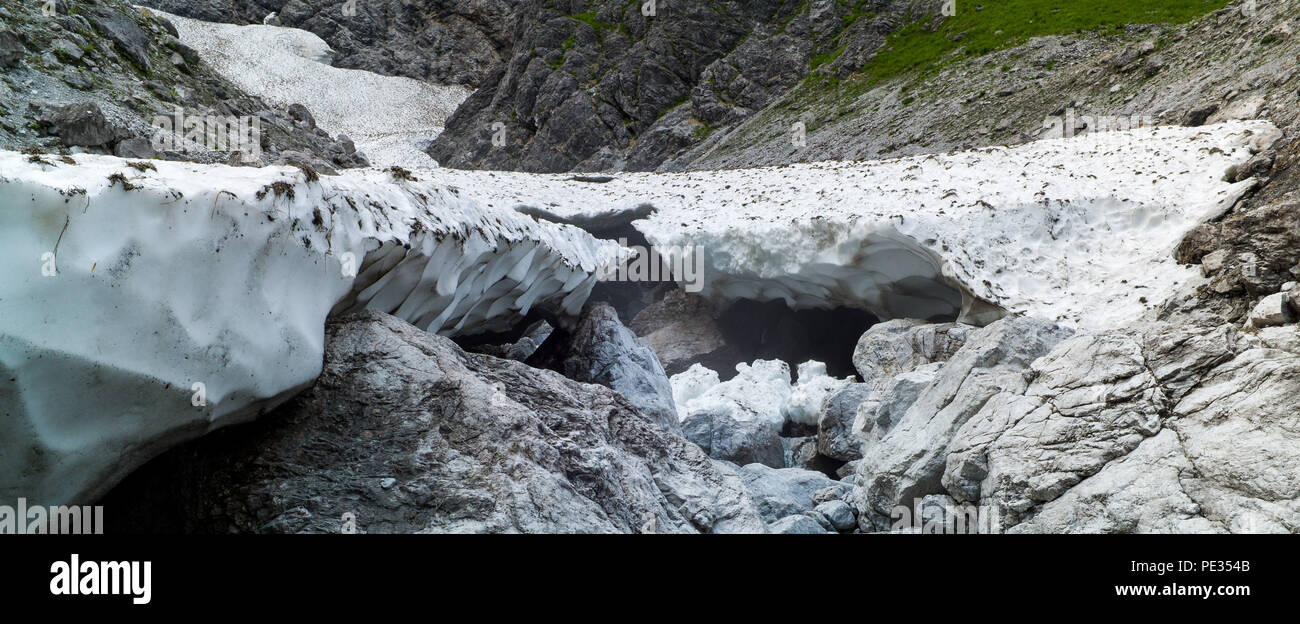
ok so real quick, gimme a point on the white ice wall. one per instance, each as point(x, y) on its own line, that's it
point(192, 278)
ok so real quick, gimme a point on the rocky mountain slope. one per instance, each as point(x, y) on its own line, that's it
point(449, 42)
point(614, 87)
point(96, 76)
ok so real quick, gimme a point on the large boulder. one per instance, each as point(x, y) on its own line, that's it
point(123, 31)
point(82, 124)
point(740, 442)
point(1223, 460)
point(895, 347)
point(601, 350)
point(836, 437)
point(1093, 400)
point(1272, 310)
point(781, 492)
point(908, 461)
point(682, 331)
point(405, 432)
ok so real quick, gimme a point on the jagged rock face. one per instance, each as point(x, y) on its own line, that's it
point(612, 88)
point(896, 347)
point(601, 350)
point(408, 433)
point(1153, 428)
point(69, 73)
point(441, 41)
point(908, 461)
point(1192, 435)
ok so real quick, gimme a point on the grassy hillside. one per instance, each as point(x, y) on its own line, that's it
point(983, 26)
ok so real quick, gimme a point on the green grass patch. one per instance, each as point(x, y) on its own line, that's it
point(589, 18)
point(821, 59)
point(1007, 23)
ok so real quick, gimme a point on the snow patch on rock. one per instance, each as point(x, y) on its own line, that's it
point(389, 118)
point(761, 391)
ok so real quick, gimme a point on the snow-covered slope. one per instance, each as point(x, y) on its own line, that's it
point(1080, 230)
point(142, 310)
point(386, 116)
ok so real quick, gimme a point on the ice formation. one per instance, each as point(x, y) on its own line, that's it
point(1080, 230)
point(388, 117)
point(143, 308)
point(191, 296)
point(806, 397)
point(760, 391)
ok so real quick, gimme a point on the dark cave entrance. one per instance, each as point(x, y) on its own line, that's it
point(770, 330)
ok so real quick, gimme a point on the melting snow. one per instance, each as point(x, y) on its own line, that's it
point(388, 117)
point(1078, 230)
point(224, 277)
point(759, 391)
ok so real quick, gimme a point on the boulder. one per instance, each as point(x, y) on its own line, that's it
point(81, 125)
point(1272, 310)
point(406, 432)
point(136, 148)
point(601, 350)
point(781, 492)
point(682, 331)
point(739, 442)
point(122, 30)
point(797, 524)
point(895, 347)
point(840, 515)
point(836, 437)
point(1092, 400)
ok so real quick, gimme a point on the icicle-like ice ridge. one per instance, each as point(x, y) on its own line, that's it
point(142, 307)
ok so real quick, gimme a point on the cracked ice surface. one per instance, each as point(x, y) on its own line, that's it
point(193, 279)
point(1078, 230)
